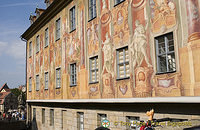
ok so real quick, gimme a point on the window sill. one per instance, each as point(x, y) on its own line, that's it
point(45, 89)
point(30, 56)
point(72, 30)
point(58, 87)
point(37, 52)
point(92, 19)
point(160, 73)
point(46, 46)
point(94, 82)
point(37, 90)
point(30, 90)
point(119, 3)
point(118, 79)
point(73, 85)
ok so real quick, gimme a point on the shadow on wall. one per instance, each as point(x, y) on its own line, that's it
point(102, 128)
point(33, 125)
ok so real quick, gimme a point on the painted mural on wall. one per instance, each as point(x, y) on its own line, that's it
point(126, 24)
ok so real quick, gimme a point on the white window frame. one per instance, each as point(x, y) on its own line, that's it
point(95, 70)
point(30, 49)
point(37, 81)
point(37, 43)
point(46, 80)
point(30, 84)
point(58, 78)
point(80, 120)
point(92, 9)
point(73, 75)
point(58, 28)
point(100, 118)
point(72, 17)
point(165, 53)
point(46, 37)
point(124, 63)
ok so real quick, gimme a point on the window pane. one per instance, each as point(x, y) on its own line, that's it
point(162, 64)
point(171, 62)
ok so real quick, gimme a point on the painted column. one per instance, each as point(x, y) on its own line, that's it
point(193, 20)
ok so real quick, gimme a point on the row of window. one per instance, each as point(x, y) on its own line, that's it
point(72, 13)
point(80, 119)
point(165, 56)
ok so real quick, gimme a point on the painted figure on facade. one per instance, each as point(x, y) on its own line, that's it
point(139, 44)
point(107, 48)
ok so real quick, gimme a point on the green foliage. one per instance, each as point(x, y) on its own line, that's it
point(16, 91)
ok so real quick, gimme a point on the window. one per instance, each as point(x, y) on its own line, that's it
point(165, 53)
point(34, 114)
point(133, 123)
point(94, 70)
point(122, 63)
point(118, 1)
point(62, 117)
point(73, 74)
point(43, 116)
point(46, 78)
point(46, 37)
point(37, 44)
point(80, 120)
point(100, 118)
point(58, 29)
point(58, 77)
point(72, 19)
point(51, 117)
point(30, 49)
point(30, 84)
point(92, 9)
point(37, 82)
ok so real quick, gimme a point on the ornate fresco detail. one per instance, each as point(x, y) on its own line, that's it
point(93, 90)
point(37, 64)
point(139, 45)
point(108, 88)
point(73, 92)
point(163, 15)
point(58, 91)
point(123, 89)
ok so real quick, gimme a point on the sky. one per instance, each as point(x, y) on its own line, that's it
point(14, 20)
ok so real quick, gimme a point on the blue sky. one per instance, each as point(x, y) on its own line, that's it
point(14, 20)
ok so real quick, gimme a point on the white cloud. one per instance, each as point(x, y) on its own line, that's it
point(3, 46)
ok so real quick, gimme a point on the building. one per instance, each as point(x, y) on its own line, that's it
point(90, 60)
point(8, 101)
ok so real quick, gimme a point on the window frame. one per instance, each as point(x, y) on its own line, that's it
point(79, 121)
point(166, 53)
point(46, 82)
point(58, 78)
point(58, 29)
point(130, 120)
point(124, 63)
point(46, 37)
point(74, 74)
point(92, 7)
point(99, 118)
point(96, 69)
point(30, 48)
point(37, 82)
point(37, 44)
point(30, 84)
point(72, 18)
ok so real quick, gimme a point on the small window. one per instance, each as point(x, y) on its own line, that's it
point(30, 84)
point(94, 75)
point(37, 44)
point(100, 118)
point(132, 120)
point(34, 114)
point(37, 82)
point(123, 63)
point(165, 53)
point(51, 117)
point(58, 29)
point(46, 78)
point(118, 1)
point(73, 74)
point(92, 9)
point(58, 78)
point(72, 19)
point(46, 37)
point(30, 49)
point(43, 116)
point(80, 120)
point(62, 118)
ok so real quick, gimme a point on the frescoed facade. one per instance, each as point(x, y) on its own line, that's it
point(119, 58)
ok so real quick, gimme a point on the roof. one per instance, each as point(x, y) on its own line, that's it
point(2, 96)
point(45, 17)
point(5, 87)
